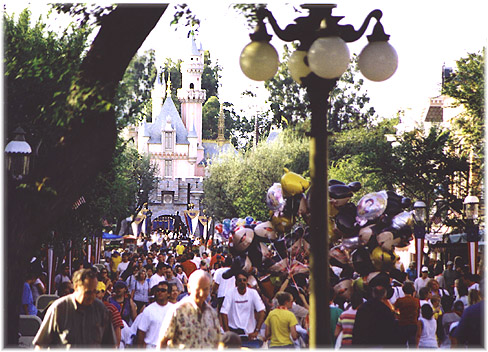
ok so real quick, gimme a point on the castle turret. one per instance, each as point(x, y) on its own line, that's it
point(191, 95)
point(157, 94)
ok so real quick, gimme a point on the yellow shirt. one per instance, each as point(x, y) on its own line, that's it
point(115, 263)
point(180, 249)
point(280, 322)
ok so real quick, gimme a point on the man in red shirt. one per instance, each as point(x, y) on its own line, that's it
point(188, 265)
point(408, 308)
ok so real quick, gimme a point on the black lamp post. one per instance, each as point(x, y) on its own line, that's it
point(18, 153)
point(471, 205)
point(321, 58)
point(419, 230)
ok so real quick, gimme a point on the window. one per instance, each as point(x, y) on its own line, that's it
point(168, 168)
point(168, 141)
point(192, 86)
point(167, 198)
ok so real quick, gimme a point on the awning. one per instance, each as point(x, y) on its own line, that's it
point(110, 236)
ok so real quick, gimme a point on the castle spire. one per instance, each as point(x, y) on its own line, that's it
point(168, 88)
point(220, 137)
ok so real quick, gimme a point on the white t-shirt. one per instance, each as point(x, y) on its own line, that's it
point(122, 267)
point(156, 279)
point(225, 285)
point(240, 309)
point(419, 283)
point(397, 293)
point(151, 320)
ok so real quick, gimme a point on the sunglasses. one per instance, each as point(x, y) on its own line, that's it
point(160, 290)
point(241, 280)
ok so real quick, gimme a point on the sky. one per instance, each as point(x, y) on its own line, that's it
point(425, 34)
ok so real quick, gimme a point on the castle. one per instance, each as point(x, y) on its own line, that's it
point(174, 142)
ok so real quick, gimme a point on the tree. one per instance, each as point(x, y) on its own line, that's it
point(210, 117)
point(86, 143)
point(238, 183)
point(423, 167)
point(467, 87)
point(133, 100)
point(362, 155)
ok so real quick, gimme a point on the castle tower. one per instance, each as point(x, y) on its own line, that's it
point(191, 95)
point(157, 94)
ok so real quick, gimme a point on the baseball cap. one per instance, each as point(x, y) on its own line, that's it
point(450, 262)
point(425, 269)
point(101, 286)
point(120, 283)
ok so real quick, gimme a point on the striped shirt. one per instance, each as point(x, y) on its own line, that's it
point(114, 313)
point(346, 322)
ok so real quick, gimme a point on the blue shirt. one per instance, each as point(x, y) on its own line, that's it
point(27, 299)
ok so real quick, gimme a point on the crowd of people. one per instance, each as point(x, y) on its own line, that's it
point(191, 295)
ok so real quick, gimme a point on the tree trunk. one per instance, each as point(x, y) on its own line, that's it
point(86, 147)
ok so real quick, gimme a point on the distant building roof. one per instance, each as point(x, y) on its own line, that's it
point(212, 150)
point(434, 114)
point(153, 130)
point(194, 49)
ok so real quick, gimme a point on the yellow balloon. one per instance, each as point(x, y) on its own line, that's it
point(383, 260)
point(282, 224)
point(293, 184)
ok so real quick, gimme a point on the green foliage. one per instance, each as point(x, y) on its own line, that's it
point(133, 98)
point(238, 183)
point(467, 86)
point(249, 13)
point(182, 11)
point(362, 155)
point(423, 167)
point(210, 117)
point(40, 67)
point(210, 76)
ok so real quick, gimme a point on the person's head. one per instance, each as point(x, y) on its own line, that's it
point(120, 288)
point(424, 293)
point(473, 297)
point(228, 261)
point(101, 288)
point(449, 265)
point(378, 292)
point(446, 303)
point(241, 281)
point(161, 292)
point(160, 268)
point(199, 286)
point(458, 262)
point(433, 285)
point(461, 286)
point(412, 265)
point(174, 293)
point(169, 272)
point(85, 286)
point(104, 273)
point(149, 271)
point(425, 272)
point(426, 311)
point(284, 299)
point(179, 269)
point(458, 308)
point(204, 255)
point(125, 257)
point(230, 340)
point(142, 274)
point(408, 288)
point(65, 288)
point(436, 301)
point(356, 299)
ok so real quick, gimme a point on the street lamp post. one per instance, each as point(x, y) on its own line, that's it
point(419, 227)
point(471, 204)
point(321, 58)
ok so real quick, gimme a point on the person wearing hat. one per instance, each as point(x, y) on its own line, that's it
point(117, 323)
point(422, 280)
point(450, 275)
point(123, 302)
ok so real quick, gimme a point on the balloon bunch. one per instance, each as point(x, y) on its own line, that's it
point(364, 236)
